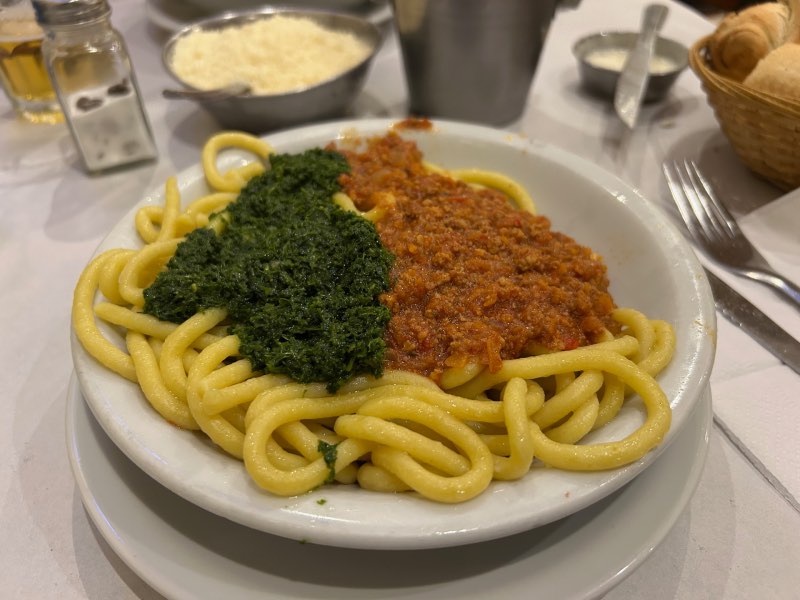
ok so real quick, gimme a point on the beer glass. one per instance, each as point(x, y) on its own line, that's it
point(23, 73)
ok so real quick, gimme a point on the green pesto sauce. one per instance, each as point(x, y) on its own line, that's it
point(329, 453)
point(299, 276)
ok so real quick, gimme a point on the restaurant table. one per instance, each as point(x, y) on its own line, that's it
point(738, 537)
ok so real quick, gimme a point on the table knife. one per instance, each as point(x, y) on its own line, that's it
point(741, 312)
point(632, 82)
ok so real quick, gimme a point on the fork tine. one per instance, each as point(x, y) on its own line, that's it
point(704, 224)
point(704, 188)
point(701, 205)
point(681, 201)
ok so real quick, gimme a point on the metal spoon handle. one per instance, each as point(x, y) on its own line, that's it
point(236, 89)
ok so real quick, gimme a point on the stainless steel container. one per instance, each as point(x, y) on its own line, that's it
point(259, 113)
point(471, 60)
point(602, 79)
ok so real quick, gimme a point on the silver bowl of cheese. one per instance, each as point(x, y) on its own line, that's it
point(301, 65)
point(602, 56)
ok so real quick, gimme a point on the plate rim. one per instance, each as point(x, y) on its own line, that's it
point(377, 13)
point(700, 426)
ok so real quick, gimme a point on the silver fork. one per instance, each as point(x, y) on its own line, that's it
point(716, 231)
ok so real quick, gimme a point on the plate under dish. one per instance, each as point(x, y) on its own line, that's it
point(187, 553)
point(172, 16)
point(650, 266)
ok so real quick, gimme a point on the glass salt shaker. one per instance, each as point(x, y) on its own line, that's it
point(93, 76)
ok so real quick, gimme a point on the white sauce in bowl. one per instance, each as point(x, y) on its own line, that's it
point(614, 59)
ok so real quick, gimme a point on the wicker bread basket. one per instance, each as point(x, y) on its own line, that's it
point(763, 129)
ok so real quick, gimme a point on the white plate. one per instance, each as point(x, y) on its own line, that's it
point(172, 16)
point(187, 553)
point(650, 266)
point(212, 6)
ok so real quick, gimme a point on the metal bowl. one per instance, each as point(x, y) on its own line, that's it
point(257, 113)
point(603, 80)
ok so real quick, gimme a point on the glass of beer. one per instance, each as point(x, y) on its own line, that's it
point(23, 73)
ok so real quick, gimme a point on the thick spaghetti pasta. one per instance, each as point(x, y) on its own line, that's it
point(444, 432)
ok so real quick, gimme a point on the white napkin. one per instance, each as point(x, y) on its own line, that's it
point(757, 398)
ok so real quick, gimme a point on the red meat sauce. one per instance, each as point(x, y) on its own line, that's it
point(475, 279)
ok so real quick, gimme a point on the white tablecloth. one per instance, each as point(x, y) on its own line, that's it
point(738, 538)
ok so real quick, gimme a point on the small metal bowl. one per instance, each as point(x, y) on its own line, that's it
point(602, 80)
point(258, 113)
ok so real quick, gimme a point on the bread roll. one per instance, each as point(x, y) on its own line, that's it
point(744, 38)
point(778, 73)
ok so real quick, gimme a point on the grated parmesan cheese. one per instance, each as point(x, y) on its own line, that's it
point(273, 55)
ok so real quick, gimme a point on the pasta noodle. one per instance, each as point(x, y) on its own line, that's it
point(399, 432)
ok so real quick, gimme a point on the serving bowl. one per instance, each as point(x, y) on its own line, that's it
point(601, 57)
point(651, 268)
point(258, 113)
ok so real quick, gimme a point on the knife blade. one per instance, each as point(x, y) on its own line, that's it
point(741, 312)
point(635, 74)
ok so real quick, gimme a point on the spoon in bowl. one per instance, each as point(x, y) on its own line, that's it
point(223, 93)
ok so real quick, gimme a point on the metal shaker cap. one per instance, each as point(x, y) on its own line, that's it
point(69, 12)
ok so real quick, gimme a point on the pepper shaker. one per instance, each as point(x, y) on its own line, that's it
point(93, 76)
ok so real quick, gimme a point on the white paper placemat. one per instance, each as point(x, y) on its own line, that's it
point(756, 400)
